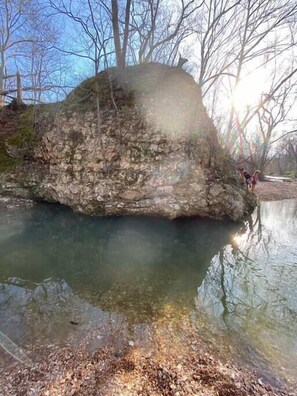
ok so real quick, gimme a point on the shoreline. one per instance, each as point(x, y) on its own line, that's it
point(180, 362)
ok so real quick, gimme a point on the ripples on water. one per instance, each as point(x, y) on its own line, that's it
point(57, 266)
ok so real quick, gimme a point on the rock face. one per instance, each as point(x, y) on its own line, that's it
point(154, 154)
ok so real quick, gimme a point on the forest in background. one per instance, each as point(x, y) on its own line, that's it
point(241, 53)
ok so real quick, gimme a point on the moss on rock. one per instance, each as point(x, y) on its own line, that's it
point(6, 162)
point(24, 134)
point(138, 80)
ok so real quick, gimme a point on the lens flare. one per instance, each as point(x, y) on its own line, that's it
point(248, 90)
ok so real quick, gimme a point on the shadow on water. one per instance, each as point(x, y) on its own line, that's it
point(58, 264)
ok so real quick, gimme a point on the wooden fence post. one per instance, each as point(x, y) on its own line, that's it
point(1, 85)
point(19, 89)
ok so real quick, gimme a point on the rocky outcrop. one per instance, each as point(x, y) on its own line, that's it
point(155, 153)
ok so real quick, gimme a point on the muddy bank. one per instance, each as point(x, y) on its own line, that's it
point(276, 190)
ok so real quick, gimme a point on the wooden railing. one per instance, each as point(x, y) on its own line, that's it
point(18, 90)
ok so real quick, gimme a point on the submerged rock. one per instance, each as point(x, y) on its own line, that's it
point(153, 151)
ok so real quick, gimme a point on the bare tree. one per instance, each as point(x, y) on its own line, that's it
point(157, 31)
point(258, 37)
point(236, 38)
point(27, 36)
point(120, 46)
point(91, 22)
point(216, 26)
point(14, 16)
point(270, 118)
point(105, 27)
point(272, 122)
point(285, 161)
point(291, 148)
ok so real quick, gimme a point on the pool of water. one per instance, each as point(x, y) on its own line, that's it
point(123, 274)
point(250, 289)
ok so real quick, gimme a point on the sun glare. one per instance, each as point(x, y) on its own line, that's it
point(249, 90)
point(238, 239)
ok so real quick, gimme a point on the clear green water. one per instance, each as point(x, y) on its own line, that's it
point(123, 273)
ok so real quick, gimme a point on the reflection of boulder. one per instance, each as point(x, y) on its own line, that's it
point(34, 312)
point(14, 292)
point(23, 303)
point(15, 210)
point(126, 265)
point(50, 295)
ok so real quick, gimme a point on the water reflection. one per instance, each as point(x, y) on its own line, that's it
point(128, 266)
point(43, 312)
point(125, 273)
point(250, 286)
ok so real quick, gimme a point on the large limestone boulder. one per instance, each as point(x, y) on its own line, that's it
point(153, 150)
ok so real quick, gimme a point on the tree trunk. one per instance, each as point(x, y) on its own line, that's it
point(19, 90)
point(2, 101)
point(116, 35)
point(126, 31)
